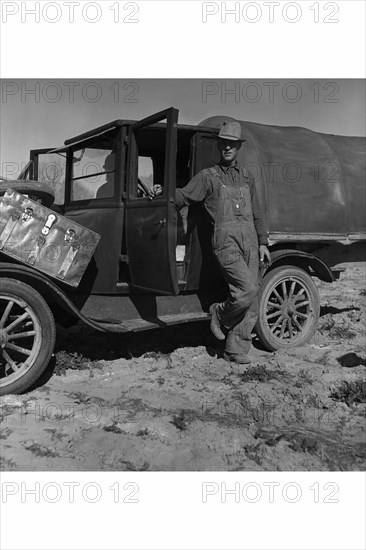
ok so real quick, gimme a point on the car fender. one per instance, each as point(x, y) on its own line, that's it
point(52, 293)
point(303, 260)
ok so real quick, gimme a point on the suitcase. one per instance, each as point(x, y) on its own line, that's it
point(43, 239)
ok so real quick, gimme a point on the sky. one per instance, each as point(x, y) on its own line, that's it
point(43, 113)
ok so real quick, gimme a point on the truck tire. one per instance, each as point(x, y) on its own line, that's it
point(27, 336)
point(289, 308)
point(36, 189)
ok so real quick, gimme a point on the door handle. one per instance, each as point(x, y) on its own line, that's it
point(160, 222)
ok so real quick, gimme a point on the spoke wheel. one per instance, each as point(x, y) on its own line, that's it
point(34, 189)
point(27, 336)
point(288, 308)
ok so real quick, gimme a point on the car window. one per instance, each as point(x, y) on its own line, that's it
point(146, 171)
point(147, 168)
point(93, 173)
point(52, 170)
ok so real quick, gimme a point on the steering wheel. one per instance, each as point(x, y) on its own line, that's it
point(142, 188)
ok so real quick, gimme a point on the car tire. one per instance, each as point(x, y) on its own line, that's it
point(289, 308)
point(27, 336)
point(36, 189)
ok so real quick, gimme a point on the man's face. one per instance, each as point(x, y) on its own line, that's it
point(228, 150)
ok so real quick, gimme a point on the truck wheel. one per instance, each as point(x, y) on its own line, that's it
point(27, 336)
point(36, 189)
point(289, 308)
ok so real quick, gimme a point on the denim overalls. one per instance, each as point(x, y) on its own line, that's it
point(235, 245)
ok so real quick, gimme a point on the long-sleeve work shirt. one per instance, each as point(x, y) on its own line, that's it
point(205, 187)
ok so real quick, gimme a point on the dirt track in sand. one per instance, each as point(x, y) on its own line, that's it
point(163, 400)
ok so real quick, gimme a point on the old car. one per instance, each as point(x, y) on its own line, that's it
point(153, 265)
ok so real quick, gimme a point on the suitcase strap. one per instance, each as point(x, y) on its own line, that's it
point(33, 256)
point(8, 229)
point(69, 258)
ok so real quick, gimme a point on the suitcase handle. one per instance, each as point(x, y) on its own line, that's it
point(51, 219)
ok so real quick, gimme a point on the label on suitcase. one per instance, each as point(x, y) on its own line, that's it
point(43, 239)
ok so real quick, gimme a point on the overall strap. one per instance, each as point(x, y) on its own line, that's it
point(244, 172)
point(247, 178)
point(215, 173)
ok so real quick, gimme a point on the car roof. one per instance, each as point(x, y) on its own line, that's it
point(118, 123)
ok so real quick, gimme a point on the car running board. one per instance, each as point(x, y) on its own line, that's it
point(136, 325)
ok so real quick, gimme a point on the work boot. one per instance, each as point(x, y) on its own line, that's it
point(216, 327)
point(238, 359)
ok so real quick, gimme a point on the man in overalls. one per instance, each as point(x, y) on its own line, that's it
point(239, 240)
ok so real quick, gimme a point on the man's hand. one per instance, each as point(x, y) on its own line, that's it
point(156, 190)
point(264, 254)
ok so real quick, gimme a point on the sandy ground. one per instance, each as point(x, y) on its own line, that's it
point(164, 400)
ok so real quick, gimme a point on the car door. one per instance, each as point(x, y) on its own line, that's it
point(151, 223)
